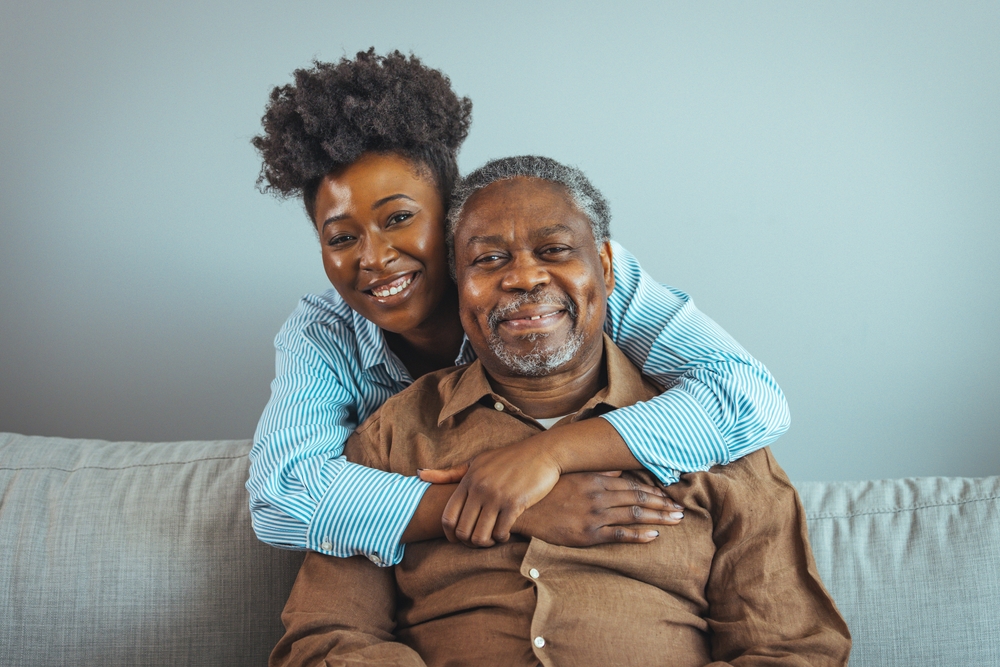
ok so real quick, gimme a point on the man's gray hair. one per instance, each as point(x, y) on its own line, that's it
point(583, 193)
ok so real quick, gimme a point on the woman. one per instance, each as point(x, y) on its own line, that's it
point(370, 145)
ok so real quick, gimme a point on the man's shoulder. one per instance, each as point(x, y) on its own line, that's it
point(420, 403)
point(753, 478)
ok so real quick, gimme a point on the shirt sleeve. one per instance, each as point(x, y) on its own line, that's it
point(341, 612)
point(720, 403)
point(767, 603)
point(304, 494)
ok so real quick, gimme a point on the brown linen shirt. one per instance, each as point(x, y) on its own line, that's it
point(733, 583)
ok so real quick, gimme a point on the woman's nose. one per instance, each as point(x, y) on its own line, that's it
point(377, 253)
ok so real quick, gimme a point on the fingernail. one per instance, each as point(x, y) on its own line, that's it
point(652, 533)
point(676, 506)
point(421, 469)
point(677, 515)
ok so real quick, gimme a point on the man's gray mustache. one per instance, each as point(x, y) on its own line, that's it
point(500, 313)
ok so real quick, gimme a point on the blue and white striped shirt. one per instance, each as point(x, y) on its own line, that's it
point(334, 369)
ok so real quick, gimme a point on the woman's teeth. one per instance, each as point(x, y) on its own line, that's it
point(393, 287)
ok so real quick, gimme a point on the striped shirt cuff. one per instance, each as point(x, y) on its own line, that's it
point(365, 513)
point(670, 435)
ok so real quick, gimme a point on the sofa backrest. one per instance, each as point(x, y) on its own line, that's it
point(142, 554)
point(129, 553)
point(913, 565)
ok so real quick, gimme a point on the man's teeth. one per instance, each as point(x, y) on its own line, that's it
point(538, 317)
point(383, 292)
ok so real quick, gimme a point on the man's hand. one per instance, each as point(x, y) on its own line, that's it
point(495, 488)
point(587, 508)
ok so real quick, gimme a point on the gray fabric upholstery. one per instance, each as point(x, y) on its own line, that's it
point(133, 554)
point(914, 566)
point(142, 554)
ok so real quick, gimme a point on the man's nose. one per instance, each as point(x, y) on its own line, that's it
point(376, 252)
point(523, 274)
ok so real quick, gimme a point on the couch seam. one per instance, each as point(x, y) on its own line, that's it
point(138, 465)
point(895, 510)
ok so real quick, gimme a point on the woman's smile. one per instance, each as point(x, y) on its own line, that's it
point(393, 287)
point(381, 227)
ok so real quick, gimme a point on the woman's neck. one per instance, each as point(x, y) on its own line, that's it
point(435, 343)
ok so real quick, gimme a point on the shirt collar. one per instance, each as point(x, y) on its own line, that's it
point(626, 386)
point(373, 349)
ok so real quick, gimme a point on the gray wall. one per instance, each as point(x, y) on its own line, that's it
point(824, 179)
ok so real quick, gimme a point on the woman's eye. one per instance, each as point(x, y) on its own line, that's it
point(339, 239)
point(397, 218)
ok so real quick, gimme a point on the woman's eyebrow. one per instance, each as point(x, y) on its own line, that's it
point(334, 218)
point(386, 200)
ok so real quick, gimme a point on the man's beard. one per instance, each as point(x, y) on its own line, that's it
point(539, 361)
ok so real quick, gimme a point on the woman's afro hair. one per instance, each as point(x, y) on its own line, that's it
point(334, 112)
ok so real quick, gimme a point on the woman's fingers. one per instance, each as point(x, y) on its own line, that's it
point(640, 497)
point(626, 534)
point(634, 514)
point(444, 476)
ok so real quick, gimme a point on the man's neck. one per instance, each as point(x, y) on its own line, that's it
point(561, 393)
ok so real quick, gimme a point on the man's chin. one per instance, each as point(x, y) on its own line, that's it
point(529, 358)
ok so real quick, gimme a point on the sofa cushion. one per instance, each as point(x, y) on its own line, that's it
point(127, 553)
point(913, 565)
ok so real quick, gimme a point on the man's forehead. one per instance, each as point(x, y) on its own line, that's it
point(532, 206)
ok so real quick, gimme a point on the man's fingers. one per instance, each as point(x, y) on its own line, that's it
point(625, 534)
point(504, 524)
point(465, 528)
point(446, 476)
point(452, 513)
point(482, 534)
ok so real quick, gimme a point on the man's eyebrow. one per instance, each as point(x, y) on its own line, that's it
point(496, 239)
point(550, 230)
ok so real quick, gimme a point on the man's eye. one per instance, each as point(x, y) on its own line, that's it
point(488, 258)
point(554, 250)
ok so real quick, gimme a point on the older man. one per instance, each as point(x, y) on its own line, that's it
point(734, 583)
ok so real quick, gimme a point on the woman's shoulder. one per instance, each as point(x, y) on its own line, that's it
point(325, 323)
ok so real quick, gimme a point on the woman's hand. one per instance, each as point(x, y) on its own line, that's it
point(587, 508)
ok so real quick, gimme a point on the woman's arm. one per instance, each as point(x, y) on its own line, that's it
point(303, 493)
point(720, 404)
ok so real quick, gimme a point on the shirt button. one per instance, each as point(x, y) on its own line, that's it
point(539, 642)
point(326, 546)
point(375, 559)
point(498, 405)
point(533, 573)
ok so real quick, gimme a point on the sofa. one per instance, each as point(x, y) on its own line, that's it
point(134, 553)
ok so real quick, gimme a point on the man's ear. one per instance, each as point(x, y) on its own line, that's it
point(604, 251)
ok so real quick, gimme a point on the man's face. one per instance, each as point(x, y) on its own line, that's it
point(532, 282)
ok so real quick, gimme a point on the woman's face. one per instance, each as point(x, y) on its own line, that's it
point(381, 227)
